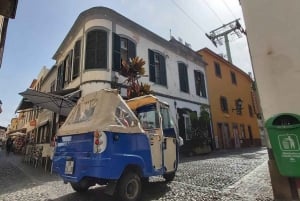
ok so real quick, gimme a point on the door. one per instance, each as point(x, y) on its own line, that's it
point(169, 145)
point(226, 136)
point(235, 131)
point(149, 119)
point(220, 136)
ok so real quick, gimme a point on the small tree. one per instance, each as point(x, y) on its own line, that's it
point(133, 71)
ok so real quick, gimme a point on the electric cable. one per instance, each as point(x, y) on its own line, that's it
point(187, 15)
point(212, 10)
point(229, 9)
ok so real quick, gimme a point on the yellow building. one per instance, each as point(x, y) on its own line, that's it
point(232, 100)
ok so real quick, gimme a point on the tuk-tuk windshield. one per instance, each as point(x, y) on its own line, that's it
point(148, 117)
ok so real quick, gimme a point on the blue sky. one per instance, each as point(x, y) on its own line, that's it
point(41, 25)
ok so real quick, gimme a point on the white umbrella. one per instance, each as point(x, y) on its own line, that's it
point(55, 103)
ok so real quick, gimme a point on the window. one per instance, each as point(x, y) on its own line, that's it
point(233, 78)
point(68, 68)
point(250, 110)
point(183, 77)
point(76, 62)
point(157, 68)
point(166, 118)
point(96, 50)
point(52, 87)
point(218, 69)
point(223, 102)
point(128, 49)
point(60, 77)
point(200, 84)
point(123, 50)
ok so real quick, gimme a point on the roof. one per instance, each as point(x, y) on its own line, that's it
point(107, 13)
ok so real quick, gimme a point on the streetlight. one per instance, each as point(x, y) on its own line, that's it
point(238, 106)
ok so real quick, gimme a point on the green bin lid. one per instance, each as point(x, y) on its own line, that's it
point(283, 120)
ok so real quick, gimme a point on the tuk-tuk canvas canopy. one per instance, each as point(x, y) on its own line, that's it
point(104, 110)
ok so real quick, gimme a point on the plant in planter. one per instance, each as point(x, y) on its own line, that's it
point(200, 137)
point(133, 71)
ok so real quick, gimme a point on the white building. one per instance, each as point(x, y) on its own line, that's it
point(91, 53)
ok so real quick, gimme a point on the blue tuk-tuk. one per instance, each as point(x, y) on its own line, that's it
point(106, 140)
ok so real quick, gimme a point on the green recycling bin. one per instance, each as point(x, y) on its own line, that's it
point(284, 135)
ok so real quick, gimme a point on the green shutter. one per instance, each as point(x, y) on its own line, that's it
point(131, 49)
point(163, 74)
point(151, 66)
point(96, 49)
point(183, 77)
point(76, 62)
point(202, 84)
point(197, 82)
point(116, 52)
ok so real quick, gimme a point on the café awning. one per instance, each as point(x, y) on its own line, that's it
point(52, 102)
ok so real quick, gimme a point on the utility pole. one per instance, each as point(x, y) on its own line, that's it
point(216, 36)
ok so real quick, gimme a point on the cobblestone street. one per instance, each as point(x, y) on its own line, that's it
point(227, 175)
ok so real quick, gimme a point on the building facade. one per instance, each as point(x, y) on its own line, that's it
point(233, 105)
point(90, 57)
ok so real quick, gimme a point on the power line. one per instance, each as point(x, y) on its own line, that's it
point(187, 15)
point(212, 10)
point(229, 9)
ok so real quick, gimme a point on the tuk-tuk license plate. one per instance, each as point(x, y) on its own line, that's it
point(69, 167)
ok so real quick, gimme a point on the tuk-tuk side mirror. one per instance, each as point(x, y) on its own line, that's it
point(180, 141)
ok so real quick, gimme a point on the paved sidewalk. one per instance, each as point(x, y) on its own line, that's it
point(254, 186)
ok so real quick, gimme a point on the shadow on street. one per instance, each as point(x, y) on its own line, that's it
point(150, 191)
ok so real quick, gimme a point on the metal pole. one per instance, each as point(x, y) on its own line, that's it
point(227, 48)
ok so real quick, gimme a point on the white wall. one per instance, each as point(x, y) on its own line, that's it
point(172, 59)
point(273, 34)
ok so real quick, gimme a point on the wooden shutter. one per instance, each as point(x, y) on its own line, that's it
point(202, 84)
point(101, 54)
point(151, 66)
point(131, 47)
point(197, 82)
point(76, 63)
point(116, 52)
point(163, 74)
point(90, 53)
point(96, 49)
point(183, 77)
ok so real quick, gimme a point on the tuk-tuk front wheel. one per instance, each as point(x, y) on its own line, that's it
point(79, 187)
point(129, 187)
point(169, 176)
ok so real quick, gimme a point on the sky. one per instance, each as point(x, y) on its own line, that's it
point(41, 25)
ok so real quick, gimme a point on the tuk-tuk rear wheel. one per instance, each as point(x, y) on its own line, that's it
point(129, 187)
